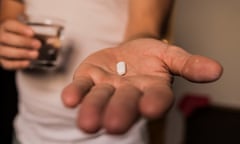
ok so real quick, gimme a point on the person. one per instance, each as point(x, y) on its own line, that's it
point(107, 108)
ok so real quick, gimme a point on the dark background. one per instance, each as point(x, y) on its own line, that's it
point(8, 105)
point(213, 125)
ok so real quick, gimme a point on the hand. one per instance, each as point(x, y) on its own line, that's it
point(17, 46)
point(115, 102)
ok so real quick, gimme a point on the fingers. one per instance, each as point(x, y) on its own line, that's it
point(201, 69)
point(17, 47)
point(103, 106)
point(122, 110)
point(16, 34)
point(17, 27)
point(156, 100)
point(116, 110)
point(192, 67)
point(16, 58)
point(11, 39)
point(13, 65)
point(93, 107)
point(17, 53)
point(75, 91)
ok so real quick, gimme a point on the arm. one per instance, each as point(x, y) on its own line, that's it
point(147, 18)
point(11, 9)
point(116, 102)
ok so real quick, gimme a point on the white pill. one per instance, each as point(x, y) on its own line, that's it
point(121, 68)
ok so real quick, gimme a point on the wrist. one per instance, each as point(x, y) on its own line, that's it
point(129, 37)
point(141, 35)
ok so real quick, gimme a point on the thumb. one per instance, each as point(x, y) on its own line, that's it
point(194, 68)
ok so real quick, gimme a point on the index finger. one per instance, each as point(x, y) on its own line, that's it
point(17, 27)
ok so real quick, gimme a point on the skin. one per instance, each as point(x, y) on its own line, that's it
point(17, 45)
point(108, 100)
point(146, 18)
point(116, 102)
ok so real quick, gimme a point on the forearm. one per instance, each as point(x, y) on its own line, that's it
point(146, 18)
point(11, 9)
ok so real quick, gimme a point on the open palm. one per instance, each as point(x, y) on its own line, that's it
point(116, 102)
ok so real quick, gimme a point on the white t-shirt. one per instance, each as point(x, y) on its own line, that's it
point(90, 26)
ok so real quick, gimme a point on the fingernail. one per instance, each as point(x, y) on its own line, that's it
point(36, 44)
